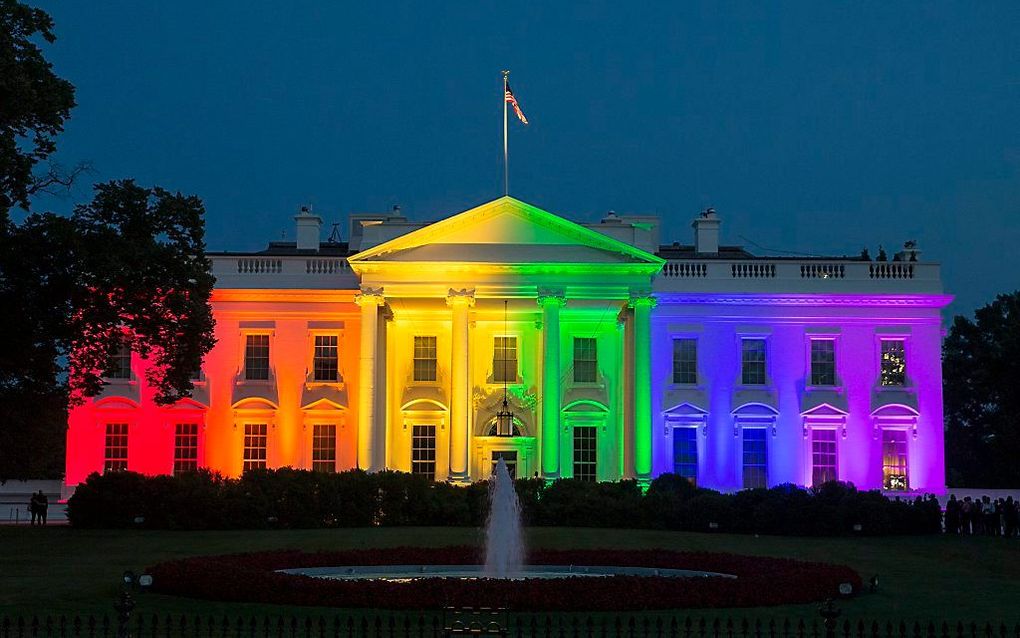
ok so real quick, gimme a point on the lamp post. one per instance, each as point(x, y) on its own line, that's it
point(125, 603)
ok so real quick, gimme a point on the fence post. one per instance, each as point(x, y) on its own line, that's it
point(829, 614)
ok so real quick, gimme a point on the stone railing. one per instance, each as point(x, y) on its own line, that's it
point(792, 275)
point(292, 271)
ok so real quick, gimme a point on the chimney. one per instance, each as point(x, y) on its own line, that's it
point(706, 233)
point(308, 227)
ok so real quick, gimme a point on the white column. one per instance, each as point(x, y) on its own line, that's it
point(371, 449)
point(460, 392)
point(642, 387)
point(551, 302)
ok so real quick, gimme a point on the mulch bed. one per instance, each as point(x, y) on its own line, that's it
point(252, 578)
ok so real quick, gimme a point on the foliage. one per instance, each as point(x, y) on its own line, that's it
point(981, 374)
point(34, 103)
point(288, 498)
point(128, 267)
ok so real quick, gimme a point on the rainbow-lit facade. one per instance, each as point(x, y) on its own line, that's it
point(621, 357)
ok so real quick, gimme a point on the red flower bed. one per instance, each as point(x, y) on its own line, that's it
point(252, 578)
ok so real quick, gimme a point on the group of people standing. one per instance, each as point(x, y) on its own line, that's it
point(38, 506)
point(999, 517)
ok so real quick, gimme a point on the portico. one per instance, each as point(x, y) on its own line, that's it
point(559, 349)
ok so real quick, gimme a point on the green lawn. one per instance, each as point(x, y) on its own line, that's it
point(62, 570)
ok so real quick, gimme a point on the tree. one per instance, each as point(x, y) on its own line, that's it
point(981, 368)
point(34, 104)
point(128, 268)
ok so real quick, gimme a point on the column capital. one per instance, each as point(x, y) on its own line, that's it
point(464, 298)
point(548, 297)
point(642, 299)
point(370, 297)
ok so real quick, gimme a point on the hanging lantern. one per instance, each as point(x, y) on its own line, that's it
point(505, 420)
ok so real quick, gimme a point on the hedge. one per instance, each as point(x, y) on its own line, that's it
point(288, 498)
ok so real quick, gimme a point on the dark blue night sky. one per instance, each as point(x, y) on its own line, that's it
point(812, 127)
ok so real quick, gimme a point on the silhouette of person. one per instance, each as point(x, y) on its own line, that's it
point(41, 505)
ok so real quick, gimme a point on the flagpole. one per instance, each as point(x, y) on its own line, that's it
point(506, 156)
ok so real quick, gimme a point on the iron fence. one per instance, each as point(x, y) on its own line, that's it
point(429, 625)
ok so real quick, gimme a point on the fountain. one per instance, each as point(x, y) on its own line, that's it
point(504, 542)
point(504, 553)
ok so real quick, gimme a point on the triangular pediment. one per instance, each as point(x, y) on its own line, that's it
point(506, 231)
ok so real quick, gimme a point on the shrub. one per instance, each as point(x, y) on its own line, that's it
point(288, 498)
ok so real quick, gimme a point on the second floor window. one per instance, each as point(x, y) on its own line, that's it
point(256, 357)
point(894, 362)
point(325, 361)
point(586, 362)
point(120, 364)
point(685, 361)
point(823, 362)
point(424, 359)
point(752, 362)
point(504, 360)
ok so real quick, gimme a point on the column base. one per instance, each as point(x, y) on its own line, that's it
point(462, 479)
point(643, 482)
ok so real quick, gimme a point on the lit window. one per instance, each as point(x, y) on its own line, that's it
point(685, 361)
point(823, 456)
point(325, 362)
point(120, 363)
point(255, 440)
point(504, 360)
point(324, 448)
point(894, 362)
point(424, 358)
point(256, 357)
point(510, 457)
point(752, 362)
point(115, 456)
point(585, 360)
point(185, 447)
point(423, 451)
point(685, 453)
point(823, 362)
point(755, 457)
point(585, 453)
point(894, 460)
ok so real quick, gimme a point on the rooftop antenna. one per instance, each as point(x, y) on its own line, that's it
point(334, 234)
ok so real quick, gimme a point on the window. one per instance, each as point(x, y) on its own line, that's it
point(424, 358)
point(755, 457)
point(256, 357)
point(185, 447)
point(585, 360)
point(894, 362)
point(823, 456)
point(255, 439)
point(585, 453)
point(120, 364)
point(324, 448)
point(510, 457)
point(894, 460)
point(752, 362)
point(685, 453)
point(685, 361)
point(423, 450)
point(504, 360)
point(325, 366)
point(823, 362)
point(115, 454)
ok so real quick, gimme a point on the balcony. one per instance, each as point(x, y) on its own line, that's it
point(796, 276)
point(306, 272)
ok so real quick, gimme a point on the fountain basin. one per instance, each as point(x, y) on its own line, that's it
point(408, 573)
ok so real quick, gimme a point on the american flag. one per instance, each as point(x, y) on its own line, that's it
point(517, 107)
